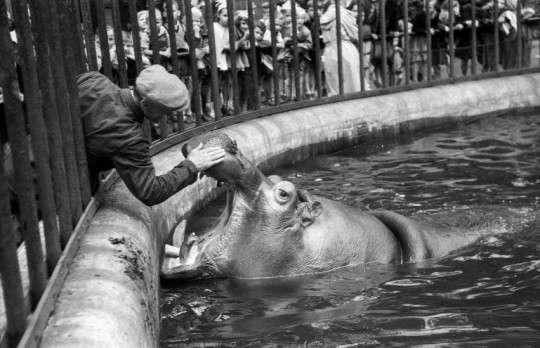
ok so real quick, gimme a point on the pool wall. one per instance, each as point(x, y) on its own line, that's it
point(111, 295)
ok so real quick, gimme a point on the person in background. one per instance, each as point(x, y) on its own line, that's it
point(350, 57)
point(202, 49)
point(367, 13)
point(439, 48)
point(112, 122)
point(280, 45)
point(305, 47)
point(418, 44)
point(529, 9)
point(182, 50)
point(265, 67)
point(315, 35)
point(162, 42)
point(265, 19)
point(462, 32)
point(243, 65)
point(129, 51)
point(221, 35)
point(285, 55)
point(179, 28)
point(112, 49)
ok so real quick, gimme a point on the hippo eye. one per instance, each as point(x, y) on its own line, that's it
point(284, 192)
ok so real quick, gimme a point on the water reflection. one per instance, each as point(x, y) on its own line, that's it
point(485, 295)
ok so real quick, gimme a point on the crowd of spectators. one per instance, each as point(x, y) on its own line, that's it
point(369, 33)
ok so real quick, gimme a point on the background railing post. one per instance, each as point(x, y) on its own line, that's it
point(38, 132)
point(474, 42)
point(339, 45)
point(23, 174)
point(50, 113)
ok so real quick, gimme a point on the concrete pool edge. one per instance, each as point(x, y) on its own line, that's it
point(111, 294)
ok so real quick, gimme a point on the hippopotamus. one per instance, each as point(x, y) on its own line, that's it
point(270, 228)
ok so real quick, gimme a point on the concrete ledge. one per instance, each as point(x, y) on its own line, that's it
point(111, 294)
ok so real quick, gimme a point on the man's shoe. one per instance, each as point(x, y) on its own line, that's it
point(189, 119)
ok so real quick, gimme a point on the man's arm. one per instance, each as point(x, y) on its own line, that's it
point(136, 169)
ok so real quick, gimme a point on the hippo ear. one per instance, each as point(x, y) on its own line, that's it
point(313, 210)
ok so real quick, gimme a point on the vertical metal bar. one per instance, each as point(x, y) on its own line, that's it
point(172, 37)
point(71, 68)
point(153, 31)
point(519, 37)
point(118, 38)
point(16, 310)
point(339, 45)
point(496, 34)
point(156, 57)
point(106, 64)
point(196, 93)
point(209, 12)
point(360, 45)
point(474, 42)
point(317, 45)
point(38, 132)
point(89, 38)
point(451, 41)
point(135, 35)
point(24, 183)
point(232, 55)
point(428, 40)
point(382, 36)
point(14, 303)
point(275, 62)
point(296, 63)
point(256, 99)
point(75, 18)
point(64, 110)
point(138, 55)
point(50, 112)
point(406, 44)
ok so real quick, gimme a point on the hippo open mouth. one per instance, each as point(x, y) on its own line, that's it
point(200, 257)
point(270, 229)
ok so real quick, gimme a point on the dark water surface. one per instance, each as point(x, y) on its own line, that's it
point(487, 295)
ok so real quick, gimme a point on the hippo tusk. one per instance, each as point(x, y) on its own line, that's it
point(181, 260)
point(171, 251)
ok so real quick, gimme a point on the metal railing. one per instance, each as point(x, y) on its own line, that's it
point(44, 180)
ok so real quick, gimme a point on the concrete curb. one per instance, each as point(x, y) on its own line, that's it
point(111, 294)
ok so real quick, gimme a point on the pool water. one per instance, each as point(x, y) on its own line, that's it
point(486, 295)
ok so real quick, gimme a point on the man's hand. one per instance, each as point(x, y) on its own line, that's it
point(206, 158)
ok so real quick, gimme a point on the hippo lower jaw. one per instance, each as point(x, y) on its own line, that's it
point(199, 258)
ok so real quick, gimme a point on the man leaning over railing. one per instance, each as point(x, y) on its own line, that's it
point(112, 120)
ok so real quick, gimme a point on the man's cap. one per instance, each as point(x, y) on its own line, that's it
point(158, 86)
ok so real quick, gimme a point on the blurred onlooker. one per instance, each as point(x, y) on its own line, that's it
point(200, 42)
point(418, 44)
point(367, 13)
point(349, 55)
point(221, 36)
point(285, 56)
point(243, 65)
point(162, 42)
point(305, 47)
point(529, 9)
point(112, 49)
point(265, 67)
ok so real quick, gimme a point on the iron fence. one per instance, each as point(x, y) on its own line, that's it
point(45, 197)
